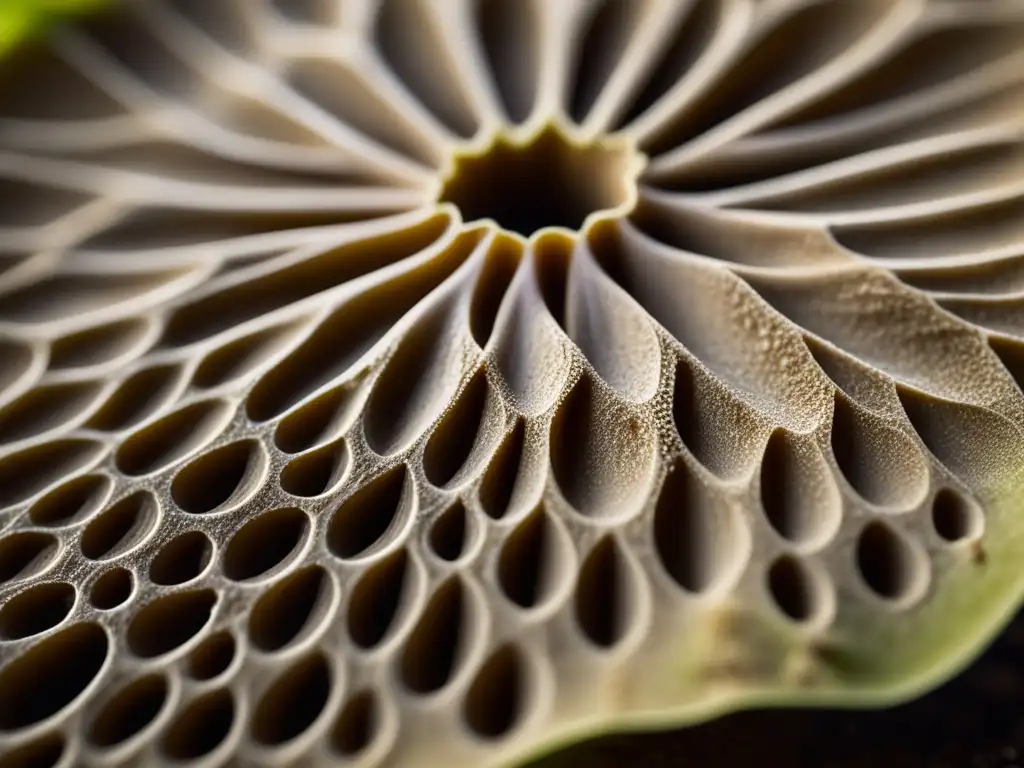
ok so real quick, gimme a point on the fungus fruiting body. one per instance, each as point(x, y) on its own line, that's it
point(421, 383)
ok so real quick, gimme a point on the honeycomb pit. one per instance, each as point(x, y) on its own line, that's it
point(327, 439)
point(546, 180)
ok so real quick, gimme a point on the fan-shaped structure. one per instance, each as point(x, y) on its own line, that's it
point(421, 383)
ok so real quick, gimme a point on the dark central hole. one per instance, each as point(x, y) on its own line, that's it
point(550, 181)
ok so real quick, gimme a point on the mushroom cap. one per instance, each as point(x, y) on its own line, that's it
point(435, 383)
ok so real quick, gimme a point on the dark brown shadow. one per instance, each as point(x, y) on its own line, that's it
point(974, 721)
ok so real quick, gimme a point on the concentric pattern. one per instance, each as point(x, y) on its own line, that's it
point(295, 463)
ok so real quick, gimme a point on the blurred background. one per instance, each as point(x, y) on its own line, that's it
point(974, 721)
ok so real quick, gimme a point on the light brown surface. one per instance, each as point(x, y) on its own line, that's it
point(976, 721)
point(304, 456)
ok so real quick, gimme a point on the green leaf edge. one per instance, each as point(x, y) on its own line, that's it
point(21, 20)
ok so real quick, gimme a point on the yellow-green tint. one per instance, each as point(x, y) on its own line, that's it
point(20, 19)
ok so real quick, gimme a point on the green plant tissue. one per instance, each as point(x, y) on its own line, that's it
point(21, 18)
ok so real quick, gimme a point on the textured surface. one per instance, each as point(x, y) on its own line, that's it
point(296, 462)
point(975, 720)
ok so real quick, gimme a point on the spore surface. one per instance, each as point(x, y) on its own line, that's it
point(420, 383)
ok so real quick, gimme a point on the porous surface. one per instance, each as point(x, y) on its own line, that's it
point(298, 466)
point(976, 719)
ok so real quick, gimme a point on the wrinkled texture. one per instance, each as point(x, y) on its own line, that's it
point(434, 383)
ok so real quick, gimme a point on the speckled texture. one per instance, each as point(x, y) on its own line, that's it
point(436, 384)
point(975, 721)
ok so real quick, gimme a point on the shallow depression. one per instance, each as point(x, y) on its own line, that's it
point(549, 179)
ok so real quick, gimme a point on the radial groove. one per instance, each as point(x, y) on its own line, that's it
point(422, 383)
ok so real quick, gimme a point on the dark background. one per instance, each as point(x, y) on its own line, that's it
point(974, 721)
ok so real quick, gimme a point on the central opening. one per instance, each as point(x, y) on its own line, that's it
point(549, 180)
